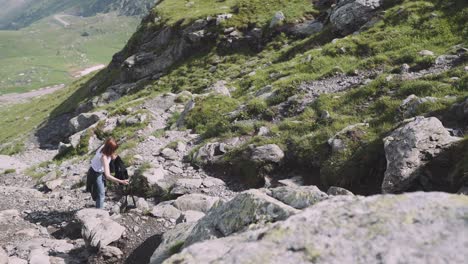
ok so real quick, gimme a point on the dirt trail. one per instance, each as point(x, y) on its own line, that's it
point(61, 21)
point(15, 98)
point(89, 70)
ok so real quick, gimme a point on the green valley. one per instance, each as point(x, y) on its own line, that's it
point(50, 52)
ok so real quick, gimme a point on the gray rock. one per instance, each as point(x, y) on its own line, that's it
point(15, 260)
point(349, 15)
point(334, 190)
point(307, 28)
point(188, 107)
point(3, 256)
point(211, 182)
point(409, 148)
point(169, 154)
point(426, 53)
point(181, 146)
point(85, 120)
point(263, 131)
point(298, 197)
point(220, 87)
point(165, 210)
point(190, 216)
point(111, 252)
point(131, 121)
point(142, 204)
point(185, 186)
point(409, 106)
point(336, 144)
point(195, 202)
point(446, 59)
point(223, 17)
point(172, 241)
point(54, 184)
point(247, 208)
point(292, 182)
point(208, 153)
point(76, 138)
point(49, 176)
point(396, 230)
point(38, 256)
point(267, 153)
point(277, 19)
point(176, 170)
point(153, 182)
point(98, 230)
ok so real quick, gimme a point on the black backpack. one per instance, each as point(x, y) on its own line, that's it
point(117, 166)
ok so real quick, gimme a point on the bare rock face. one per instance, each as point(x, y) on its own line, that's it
point(349, 15)
point(409, 148)
point(396, 229)
point(99, 230)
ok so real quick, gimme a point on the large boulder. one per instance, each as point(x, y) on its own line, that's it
point(409, 148)
point(349, 15)
point(166, 210)
point(267, 153)
point(85, 120)
point(172, 242)
point(409, 228)
point(152, 182)
point(298, 197)
point(195, 202)
point(98, 230)
point(249, 207)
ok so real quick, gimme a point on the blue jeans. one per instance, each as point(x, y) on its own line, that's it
point(101, 192)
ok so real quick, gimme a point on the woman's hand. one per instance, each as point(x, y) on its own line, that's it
point(124, 182)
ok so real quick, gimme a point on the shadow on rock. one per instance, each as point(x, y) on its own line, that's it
point(142, 254)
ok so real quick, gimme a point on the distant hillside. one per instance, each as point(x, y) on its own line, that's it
point(16, 14)
point(55, 49)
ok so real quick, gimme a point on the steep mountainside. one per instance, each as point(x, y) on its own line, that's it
point(325, 131)
point(18, 14)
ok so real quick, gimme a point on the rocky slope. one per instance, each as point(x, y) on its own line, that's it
point(248, 129)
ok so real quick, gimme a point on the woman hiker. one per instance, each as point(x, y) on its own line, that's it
point(100, 171)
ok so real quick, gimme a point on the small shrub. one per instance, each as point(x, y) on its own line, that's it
point(9, 171)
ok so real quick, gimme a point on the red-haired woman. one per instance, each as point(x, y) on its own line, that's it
point(99, 167)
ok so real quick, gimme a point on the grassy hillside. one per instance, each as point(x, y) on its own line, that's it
point(246, 12)
point(286, 63)
point(48, 53)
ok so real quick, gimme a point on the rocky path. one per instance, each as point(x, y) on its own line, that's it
point(38, 216)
